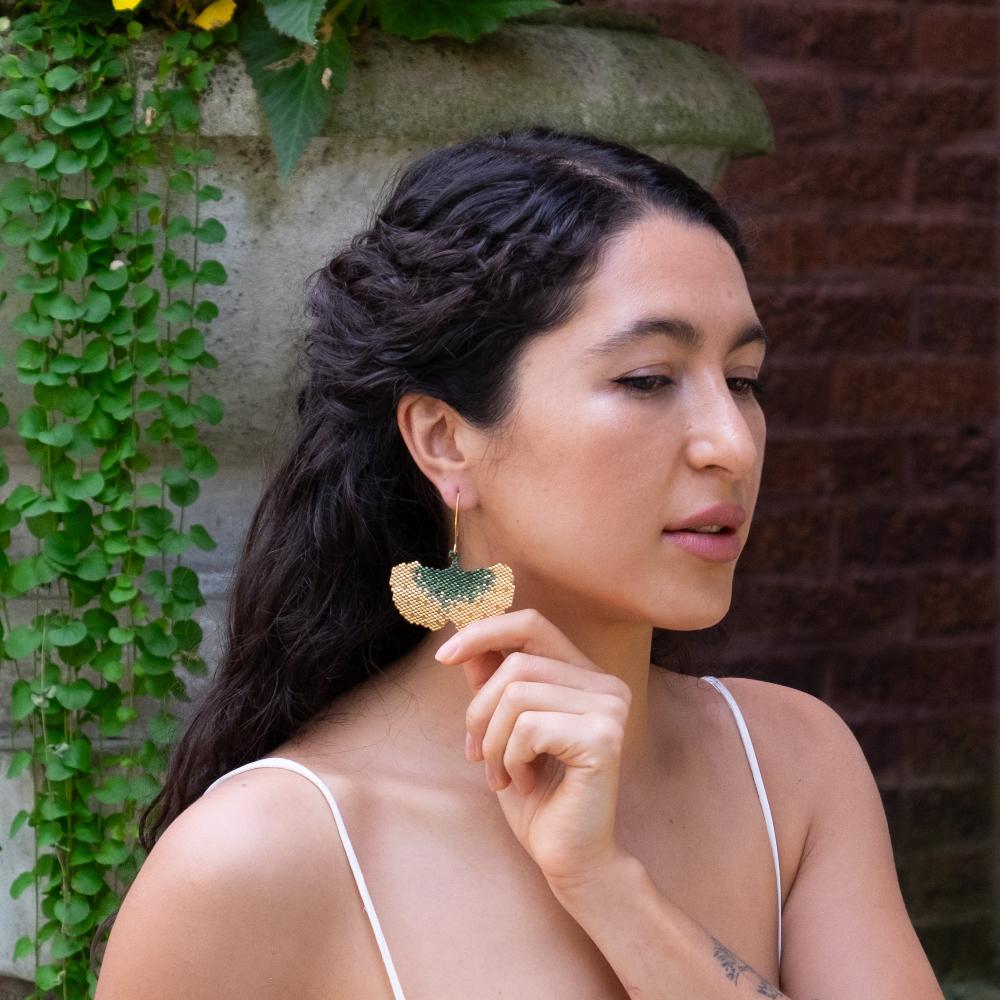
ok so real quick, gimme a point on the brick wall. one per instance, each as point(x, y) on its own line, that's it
point(870, 574)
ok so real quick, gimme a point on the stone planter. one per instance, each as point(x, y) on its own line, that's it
point(610, 75)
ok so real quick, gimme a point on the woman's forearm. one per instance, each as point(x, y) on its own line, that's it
point(657, 951)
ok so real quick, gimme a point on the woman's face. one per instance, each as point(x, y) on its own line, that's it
point(593, 469)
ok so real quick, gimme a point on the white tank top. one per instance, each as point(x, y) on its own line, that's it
point(397, 989)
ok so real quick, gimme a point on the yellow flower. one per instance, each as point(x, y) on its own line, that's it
point(216, 15)
point(125, 4)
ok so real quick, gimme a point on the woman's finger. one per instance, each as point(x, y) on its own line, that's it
point(525, 667)
point(522, 696)
point(527, 631)
point(588, 740)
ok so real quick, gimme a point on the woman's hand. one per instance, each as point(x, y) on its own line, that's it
point(550, 726)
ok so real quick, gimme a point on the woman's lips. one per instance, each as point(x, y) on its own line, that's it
point(723, 546)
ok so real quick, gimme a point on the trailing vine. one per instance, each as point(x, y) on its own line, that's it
point(114, 326)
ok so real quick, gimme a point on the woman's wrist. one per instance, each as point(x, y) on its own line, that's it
point(623, 873)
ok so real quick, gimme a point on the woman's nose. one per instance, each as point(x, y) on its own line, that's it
point(719, 433)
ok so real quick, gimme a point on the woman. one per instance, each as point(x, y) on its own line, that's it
point(552, 333)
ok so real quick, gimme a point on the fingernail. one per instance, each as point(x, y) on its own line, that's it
point(470, 747)
point(446, 649)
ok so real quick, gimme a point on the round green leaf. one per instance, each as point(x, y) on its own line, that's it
point(111, 280)
point(89, 485)
point(69, 161)
point(101, 225)
point(21, 641)
point(58, 437)
point(98, 307)
point(73, 264)
point(72, 911)
point(64, 307)
point(87, 880)
point(211, 231)
point(70, 633)
point(42, 155)
point(15, 194)
point(21, 704)
point(211, 272)
point(112, 852)
point(18, 762)
point(61, 77)
point(201, 538)
point(21, 883)
point(30, 355)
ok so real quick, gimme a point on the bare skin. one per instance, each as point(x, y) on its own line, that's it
point(465, 912)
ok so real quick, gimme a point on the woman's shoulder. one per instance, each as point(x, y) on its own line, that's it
point(797, 738)
point(234, 897)
point(790, 720)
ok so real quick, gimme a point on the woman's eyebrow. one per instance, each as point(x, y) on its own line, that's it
point(669, 326)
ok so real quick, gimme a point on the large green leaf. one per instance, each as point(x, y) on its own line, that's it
point(466, 19)
point(295, 94)
point(296, 18)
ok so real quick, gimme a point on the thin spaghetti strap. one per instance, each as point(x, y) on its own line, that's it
point(292, 765)
point(758, 782)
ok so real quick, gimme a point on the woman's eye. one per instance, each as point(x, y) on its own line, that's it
point(749, 386)
point(640, 383)
point(647, 384)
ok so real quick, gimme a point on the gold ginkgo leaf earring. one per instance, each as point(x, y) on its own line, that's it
point(432, 597)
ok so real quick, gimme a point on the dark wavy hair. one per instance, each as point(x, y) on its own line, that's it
point(477, 248)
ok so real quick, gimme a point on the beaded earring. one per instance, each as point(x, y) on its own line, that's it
point(432, 597)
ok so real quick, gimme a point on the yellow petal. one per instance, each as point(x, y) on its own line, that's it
point(216, 15)
point(125, 4)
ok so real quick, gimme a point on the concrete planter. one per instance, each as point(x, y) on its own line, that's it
point(608, 75)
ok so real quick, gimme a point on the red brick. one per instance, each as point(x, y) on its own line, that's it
point(865, 467)
point(832, 468)
point(788, 539)
point(944, 815)
point(952, 179)
point(884, 748)
point(896, 536)
point(781, 247)
point(954, 40)
point(955, 603)
point(711, 26)
point(890, 108)
point(956, 461)
point(804, 673)
point(800, 174)
point(934, 249)
point(903, 676)
point(953, 746)
point(871, 392)
point(796, 395)
point(956, 321)
point(830, 320)
point(805, 608)
point(873, 39)
point(951, 884)
point(962, 949)
point(799, 107)
point(793, 468)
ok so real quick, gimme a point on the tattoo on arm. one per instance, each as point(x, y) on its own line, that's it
point(734, 966)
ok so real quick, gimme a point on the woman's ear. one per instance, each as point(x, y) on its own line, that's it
point(443, 445)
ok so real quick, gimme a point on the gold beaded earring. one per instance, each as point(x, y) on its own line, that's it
point(432, 597)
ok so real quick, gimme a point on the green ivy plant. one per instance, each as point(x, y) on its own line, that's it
point(112, 334)
point(114, 327)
